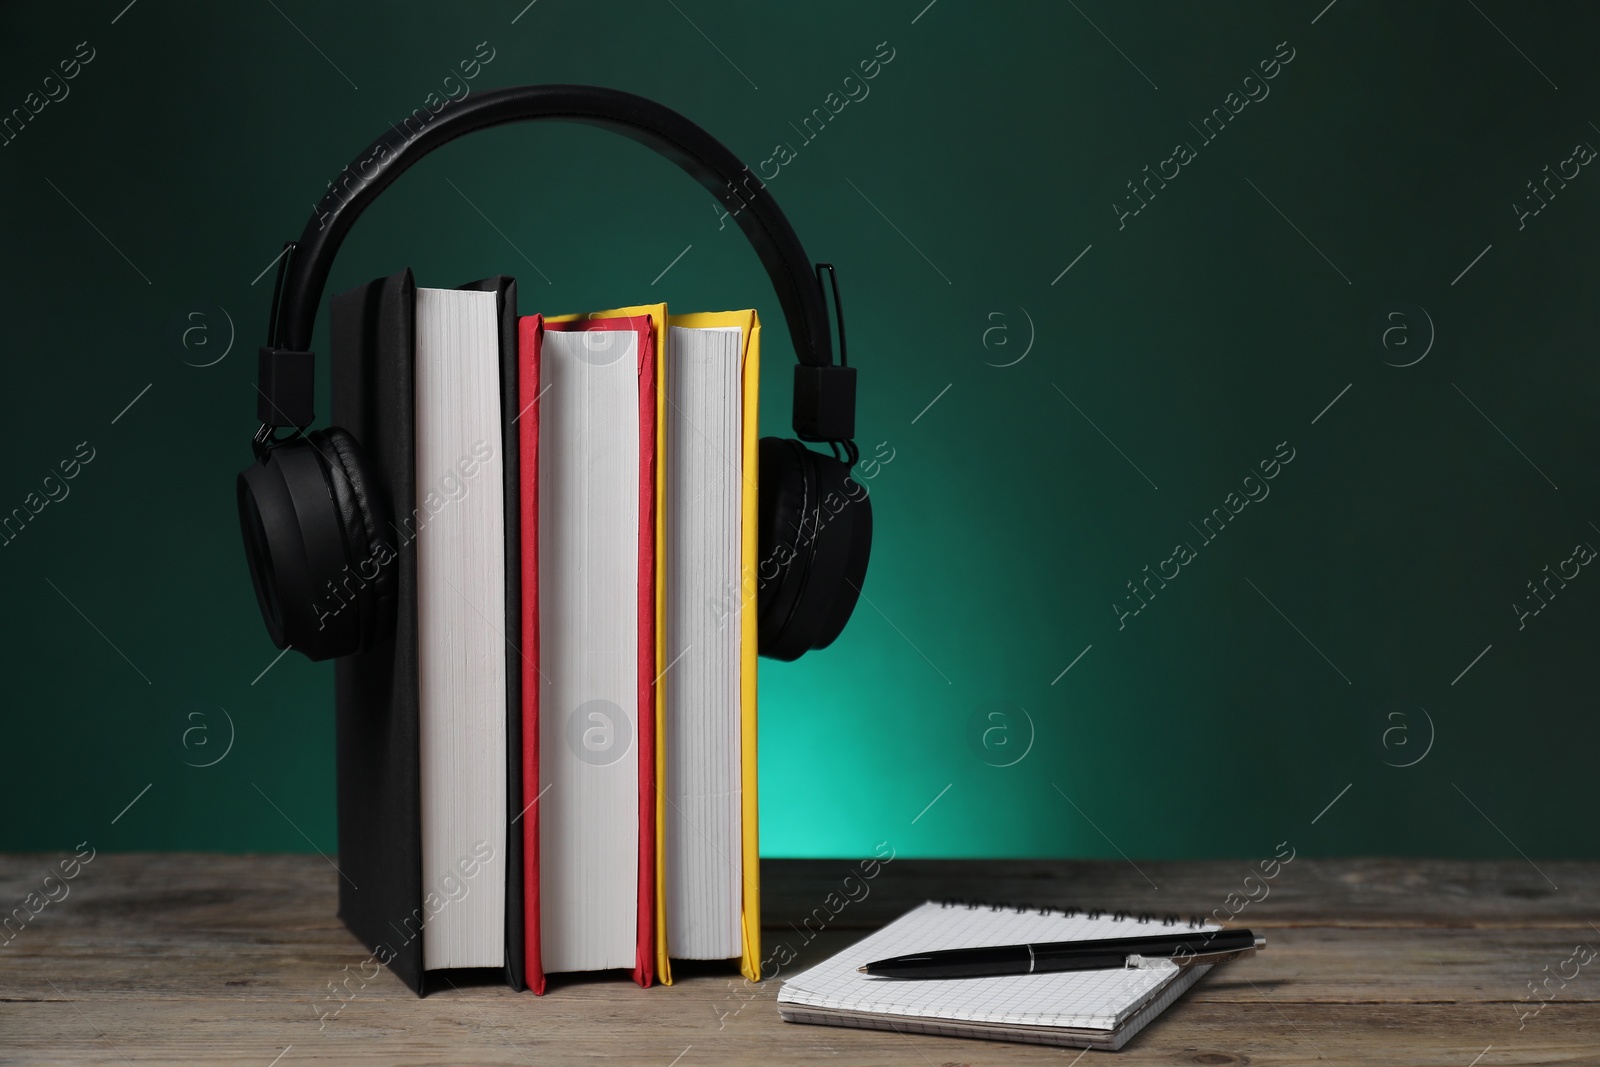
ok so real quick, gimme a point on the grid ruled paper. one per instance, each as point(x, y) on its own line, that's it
point(1100, 1000)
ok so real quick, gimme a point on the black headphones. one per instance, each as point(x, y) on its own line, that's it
point(310, 507)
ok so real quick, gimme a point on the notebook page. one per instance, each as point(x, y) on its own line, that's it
point(1100, 999)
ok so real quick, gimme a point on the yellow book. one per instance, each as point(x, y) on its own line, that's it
point(737, 606)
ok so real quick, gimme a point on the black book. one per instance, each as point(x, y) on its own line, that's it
point(381, 894)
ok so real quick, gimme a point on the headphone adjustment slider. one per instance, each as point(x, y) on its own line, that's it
point(825, 403)
point(287, 388)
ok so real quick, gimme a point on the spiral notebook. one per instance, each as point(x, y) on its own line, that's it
point(1080, 1009)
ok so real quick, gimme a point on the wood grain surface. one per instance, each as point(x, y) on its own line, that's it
point(188, 959)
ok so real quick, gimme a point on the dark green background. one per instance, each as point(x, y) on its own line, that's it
point(1197, 338)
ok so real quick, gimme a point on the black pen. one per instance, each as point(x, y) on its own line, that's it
point(1183, 949)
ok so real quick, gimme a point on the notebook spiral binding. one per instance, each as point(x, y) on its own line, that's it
point(1071, 911)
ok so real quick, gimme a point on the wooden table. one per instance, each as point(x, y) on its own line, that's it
point(181, 958)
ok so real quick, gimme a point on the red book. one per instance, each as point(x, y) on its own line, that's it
point(528, 330)
point(629, 736)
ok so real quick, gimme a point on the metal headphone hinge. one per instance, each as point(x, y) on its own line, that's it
point(261, 444)
point(267, 438)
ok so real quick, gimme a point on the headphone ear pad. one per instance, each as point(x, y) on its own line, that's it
point(815, 533)
point(362, 515)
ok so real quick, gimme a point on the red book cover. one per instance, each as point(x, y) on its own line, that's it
point(529, 330)
point(644, 965)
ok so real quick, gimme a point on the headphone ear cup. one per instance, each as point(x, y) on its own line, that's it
point(815, 532)
point(323, 577)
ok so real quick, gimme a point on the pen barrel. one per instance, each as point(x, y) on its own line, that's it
point(985, 965)
point(958, 963)
point(1043, 958)
point(1101, 961)
point(1176, 947)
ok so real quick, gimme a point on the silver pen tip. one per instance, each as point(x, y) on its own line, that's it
point(862, 970)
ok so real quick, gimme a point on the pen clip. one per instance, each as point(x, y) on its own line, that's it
point(1134, 961)
point(1197, 958)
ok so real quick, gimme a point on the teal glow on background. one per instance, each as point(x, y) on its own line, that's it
point(1272, 690)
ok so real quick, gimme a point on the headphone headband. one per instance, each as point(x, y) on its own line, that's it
point(824, 393)
point(312, 507)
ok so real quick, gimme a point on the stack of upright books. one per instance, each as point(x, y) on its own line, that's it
point(549, 765)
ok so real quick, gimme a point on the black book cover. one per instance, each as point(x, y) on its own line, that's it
point(373, 341)
point(381, 896)
point(505, 290)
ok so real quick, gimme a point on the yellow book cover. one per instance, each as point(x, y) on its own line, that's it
point(750, 859)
